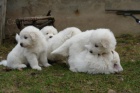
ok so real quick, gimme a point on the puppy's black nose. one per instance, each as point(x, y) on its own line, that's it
point(21, 44)
point(91, 51)
point(50, 36)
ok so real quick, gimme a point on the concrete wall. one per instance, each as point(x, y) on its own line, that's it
point(84, 14)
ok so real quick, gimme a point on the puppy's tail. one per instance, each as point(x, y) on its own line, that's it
point(63, 49)
point(3, 62)
point(17, 38)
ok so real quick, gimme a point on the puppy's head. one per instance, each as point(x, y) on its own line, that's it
point(106, 63)
point(49, 32)
point(28, 36)
point(101, 41)
point(115, 63)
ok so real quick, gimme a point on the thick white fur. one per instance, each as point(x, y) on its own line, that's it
point(31, 48)
point(49, 31)
point(3, 62)
point(17, 38)
point(59, 39)
point(94, 64)
point(103, 38)
point(98, 58)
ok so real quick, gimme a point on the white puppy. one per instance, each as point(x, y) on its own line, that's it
point(59, 39)
point(93, 64)
point(99, 41)
point(49, 31)
point(98, 56)
point(31, 48)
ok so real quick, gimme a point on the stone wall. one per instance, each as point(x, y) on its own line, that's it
point(84, 14)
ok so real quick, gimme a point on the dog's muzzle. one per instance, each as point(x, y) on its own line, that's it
point(50, 36)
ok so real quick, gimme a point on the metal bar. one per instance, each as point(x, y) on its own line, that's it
point(124, 11)
point(127, 13)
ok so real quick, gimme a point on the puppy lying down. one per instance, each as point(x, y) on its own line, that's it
point(90, 63)
point(100, 43)
point(31, 48)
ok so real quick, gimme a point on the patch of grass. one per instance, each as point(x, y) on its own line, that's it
point(128, 47)
point(58, 78)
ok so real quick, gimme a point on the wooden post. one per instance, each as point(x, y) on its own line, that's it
point(3, 4)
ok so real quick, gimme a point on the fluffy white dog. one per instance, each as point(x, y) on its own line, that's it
point(94, 64)
point(98, 41)
point(59, 39)
point(31, 48)
point(99, 57)
point(49, 31)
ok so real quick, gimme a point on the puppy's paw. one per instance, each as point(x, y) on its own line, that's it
point(21, 66)
point(40, 64)
point(37, 68)
point(73, 69)
point(47, 65)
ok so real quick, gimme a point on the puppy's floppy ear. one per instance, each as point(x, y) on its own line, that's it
point(88, 47)
point(17, 37)
point(70, 34)
point(105, 42)
point(33, 35)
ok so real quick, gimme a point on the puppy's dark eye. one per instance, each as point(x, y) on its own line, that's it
point(47, 33)
point(25, 37)
point(96, 45)
point(91, 51)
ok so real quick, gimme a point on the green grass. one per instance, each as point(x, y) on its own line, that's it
point(58, 78)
